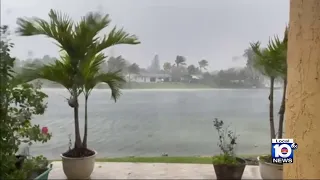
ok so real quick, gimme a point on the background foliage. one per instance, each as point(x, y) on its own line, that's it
point(18, 104)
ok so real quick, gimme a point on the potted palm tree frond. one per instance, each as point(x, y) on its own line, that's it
point(79, 71)
point(272, 62)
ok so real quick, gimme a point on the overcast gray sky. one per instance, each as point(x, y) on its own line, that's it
point(216, 30)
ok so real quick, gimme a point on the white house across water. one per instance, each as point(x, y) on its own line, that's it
point(148, 77)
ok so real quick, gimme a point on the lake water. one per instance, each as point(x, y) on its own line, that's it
point(153, 122)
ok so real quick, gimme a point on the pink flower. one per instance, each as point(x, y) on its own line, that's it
point(44, 130)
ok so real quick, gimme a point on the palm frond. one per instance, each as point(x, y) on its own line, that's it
point(58, 23)
point(116, 37)
point(286, 34)
point(260, 55)
point(256, 48)
point(87, 29)
point(263, 60)
point(273, 59)
point(58, 72)
point(91, 25)
point(92, 76)
point(115, 80)
point(278, 52)
point(92, 66)
point(82, 62)
point(80, 40)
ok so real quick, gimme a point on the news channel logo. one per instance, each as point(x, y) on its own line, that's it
point(282, 150)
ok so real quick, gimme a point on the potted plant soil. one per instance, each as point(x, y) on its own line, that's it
point(227, 165)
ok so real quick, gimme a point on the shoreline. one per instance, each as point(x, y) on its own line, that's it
point(164, 89)
point(165, 85)
point(250, 159)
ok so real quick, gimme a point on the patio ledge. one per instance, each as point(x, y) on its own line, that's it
point(124, 170)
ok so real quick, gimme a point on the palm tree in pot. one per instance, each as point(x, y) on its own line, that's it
point(92, 74)
point(279, 50)
point(227, 165)
point(82, 46)
point(272, 62)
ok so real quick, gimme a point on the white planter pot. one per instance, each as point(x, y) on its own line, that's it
point(78, 168)
point(269, 170)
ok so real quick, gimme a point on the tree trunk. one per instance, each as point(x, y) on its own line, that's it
point(303, 91)
point(77, 129)
point(271, 116)
point(77, 143)
point(85, 136)
point(282, 109)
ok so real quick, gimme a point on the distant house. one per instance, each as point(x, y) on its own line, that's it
point(191, 78)
point(197, 77)
point(149, 77)
point(237, 81)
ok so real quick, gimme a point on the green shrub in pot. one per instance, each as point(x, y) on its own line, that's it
point(227, 165)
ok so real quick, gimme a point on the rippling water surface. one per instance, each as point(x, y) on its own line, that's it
point(153, 122)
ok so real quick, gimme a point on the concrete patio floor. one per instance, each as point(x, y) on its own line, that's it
point(114, 170)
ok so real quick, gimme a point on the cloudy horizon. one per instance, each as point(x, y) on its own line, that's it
point(217, 31)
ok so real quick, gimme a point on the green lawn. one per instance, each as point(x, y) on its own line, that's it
point(195, 160)
point(251, 159)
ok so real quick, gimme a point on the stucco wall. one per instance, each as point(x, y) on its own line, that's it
point(303, 93)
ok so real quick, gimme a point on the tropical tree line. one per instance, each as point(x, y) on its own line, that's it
point(178, 69)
